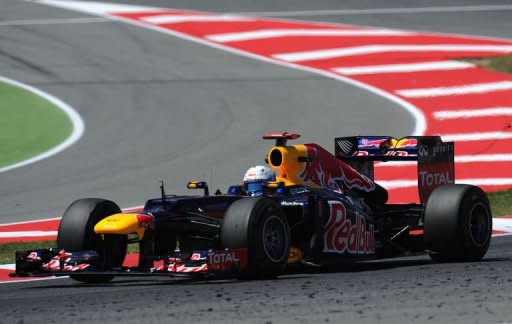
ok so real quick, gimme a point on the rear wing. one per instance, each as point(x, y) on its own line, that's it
point(435, 158)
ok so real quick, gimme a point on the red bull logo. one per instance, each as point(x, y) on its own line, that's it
point(327, 171)
point(406, 142)
point(341, 236)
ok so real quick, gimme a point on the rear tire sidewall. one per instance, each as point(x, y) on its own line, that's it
point(451, 215)
point(475, 201)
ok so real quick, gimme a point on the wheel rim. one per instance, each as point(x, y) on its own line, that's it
point(274, 238)
point(479, 225)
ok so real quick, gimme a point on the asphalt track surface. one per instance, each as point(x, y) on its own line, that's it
point(407, 290)
point(156, 108)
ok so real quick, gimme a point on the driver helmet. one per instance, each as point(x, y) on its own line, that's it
point(256, 178)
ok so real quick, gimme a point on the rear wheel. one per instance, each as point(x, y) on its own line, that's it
point(260, 225)
point(76, 233)
point(458, 223)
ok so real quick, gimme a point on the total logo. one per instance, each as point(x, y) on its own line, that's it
point(223, 257)
point(341, 236)
point(429, 179)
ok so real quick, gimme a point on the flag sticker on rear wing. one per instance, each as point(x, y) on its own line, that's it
point(377, 148)
point(435, 158)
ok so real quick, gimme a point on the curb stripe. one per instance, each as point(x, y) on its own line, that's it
point(27, 234)
point(178, 19)
point(273, 33)
point(456, 90)
point(406, 183)
point(470, 137)
point(30, 221)
point(459, 159)
point(403, 68)
point(374, 49)
point(473, 113)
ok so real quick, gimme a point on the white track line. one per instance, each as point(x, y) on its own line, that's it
point(472, 113)
point(502, 224)
point(76, 121)
point(26, 279)
point(56, 21)
point(274, 33)
point(177, 19)
point(8, 266)
point(404, 68)
point(483, 158)
point(373, 11)
point(396, 184)
point(27, 234)
point(97, 8)
point(470, 137)
point(456, 90)
point(374, 49)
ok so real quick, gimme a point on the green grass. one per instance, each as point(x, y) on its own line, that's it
point(7, 250)
point(501, 202)
point(29, 125)
point(500, 64)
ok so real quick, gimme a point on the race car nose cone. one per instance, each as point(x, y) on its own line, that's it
point(122, 224)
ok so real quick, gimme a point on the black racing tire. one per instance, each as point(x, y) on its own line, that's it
point(458, 223)
point(76, 233)
point(260, 225)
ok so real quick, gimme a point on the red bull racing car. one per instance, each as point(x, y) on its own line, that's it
point(322, 208)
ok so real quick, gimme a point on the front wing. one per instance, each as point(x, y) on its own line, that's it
point(57, 262)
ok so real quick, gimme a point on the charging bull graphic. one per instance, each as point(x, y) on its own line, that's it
point(327, 171)
point(311, 165)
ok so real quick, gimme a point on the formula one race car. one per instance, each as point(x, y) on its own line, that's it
point(321, 209)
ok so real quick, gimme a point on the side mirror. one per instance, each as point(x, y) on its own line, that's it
point(199, 185)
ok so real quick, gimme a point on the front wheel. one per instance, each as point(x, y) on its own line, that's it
point(76, 233)
point(260, 225)
point(458, 223)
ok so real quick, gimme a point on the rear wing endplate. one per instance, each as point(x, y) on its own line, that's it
point(435, 158)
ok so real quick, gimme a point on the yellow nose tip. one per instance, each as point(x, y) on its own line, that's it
point(122, 224)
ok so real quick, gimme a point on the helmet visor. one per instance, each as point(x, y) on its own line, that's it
point(255, 188)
